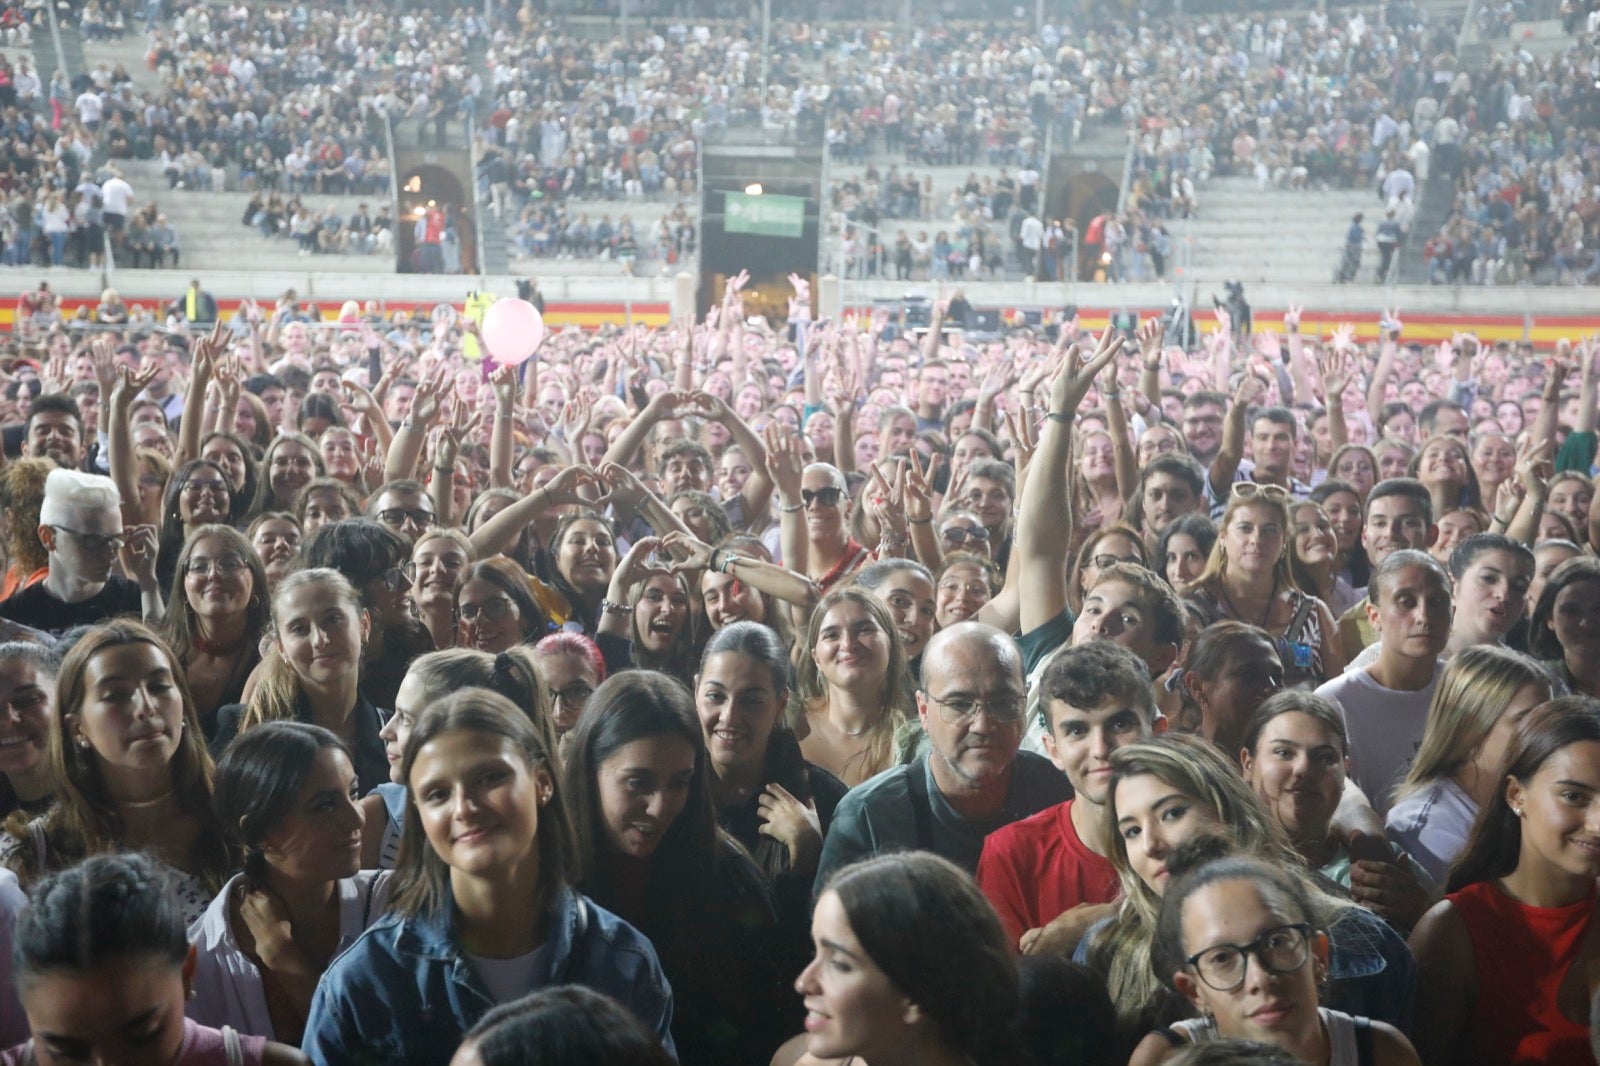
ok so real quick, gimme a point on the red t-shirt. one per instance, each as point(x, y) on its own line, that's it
point(1036, 870)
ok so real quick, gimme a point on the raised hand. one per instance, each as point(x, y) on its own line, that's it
point(428, 401)
point(504, 383)
point(917, 489)
point(1250, 390)
point(884, 498)
point(1343, 338)
point(1390, 323)
point(636, 566)
point(1337, 369)
point(1445, 357)
point(1224, 322)
point(624, 489)
point(1077, 372)
point(139, 552)
point(1533, 464)
point(1291, 318)
point(130, 384)
point(563, 489)
point(784, 462)
point(1268, 347)
point(688, 552)
point(1149, 337)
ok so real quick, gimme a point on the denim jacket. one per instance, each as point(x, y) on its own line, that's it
point(405, 992)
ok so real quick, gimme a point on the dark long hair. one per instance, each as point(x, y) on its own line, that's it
point(422, 880)
point(511, 580)
point(1495, 847)
point(106, 909)
point(636, 705)
point(252, 470)
point(785, 765)
point(964, 980)
point(180, 625)
point(172, 531)
point(258, 778)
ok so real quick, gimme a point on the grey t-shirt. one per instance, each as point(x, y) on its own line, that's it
point(878, 816)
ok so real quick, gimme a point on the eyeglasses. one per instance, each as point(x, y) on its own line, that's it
point(1280, 951)
point(1244, 490)
point(222, 564)
point(448, 563)
point(961, 534)
point(197, 486)
point(96, 542)
point(494, 610)
point(574, 695)
point(1003, 707)
point(828, 497)
point(399, 516)
point(1105, 562)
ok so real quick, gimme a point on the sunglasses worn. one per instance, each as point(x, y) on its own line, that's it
point(961, 534)
point(494, 610)
point(828, 497)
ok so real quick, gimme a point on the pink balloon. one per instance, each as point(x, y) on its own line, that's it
point(512, 330)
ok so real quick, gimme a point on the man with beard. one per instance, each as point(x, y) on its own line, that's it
point(55, 431)
point(971, 780)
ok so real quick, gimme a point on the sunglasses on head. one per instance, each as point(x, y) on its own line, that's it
point(828, 497)
point(1243, 490)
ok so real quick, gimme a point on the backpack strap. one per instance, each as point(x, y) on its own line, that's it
point(1365, 1056)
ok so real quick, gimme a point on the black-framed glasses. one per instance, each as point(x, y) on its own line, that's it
point(1281, 950)
point(961, 534)
point(95, 542)
point(494, 610)
point(828, 497)
point(399, 516)
point(574, 695)
point(231, 563)
point(1004, 707)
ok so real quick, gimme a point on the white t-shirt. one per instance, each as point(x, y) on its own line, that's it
point(1432, 825)
point(508, 979)
point(115, 196)
point(1385, 727)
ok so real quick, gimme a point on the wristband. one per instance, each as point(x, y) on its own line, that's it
point(1056, 416)
point(792, 508)
point(921, 521)
point(711, 564)
point(1154, 368)
point(607, 607)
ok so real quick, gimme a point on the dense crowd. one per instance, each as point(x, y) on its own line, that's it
point(805, 693)
point(1523, 142)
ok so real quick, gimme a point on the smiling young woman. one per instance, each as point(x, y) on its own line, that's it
point(287, 793)
point(1241, 940)
point(481, 913)
point(649, 849)
point(216, 615)
point(1515, 929)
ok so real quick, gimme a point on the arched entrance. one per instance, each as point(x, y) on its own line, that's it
point(1082, 196)
point(428, 189)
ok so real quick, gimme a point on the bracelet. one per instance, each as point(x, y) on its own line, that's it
point(443, 469)
point(1056, 416)
point(921, 521)
point(711, 564)
point(1113, 394)
point(607, 607)
point(1154, 368)
point(728, 559)
point(792, 508)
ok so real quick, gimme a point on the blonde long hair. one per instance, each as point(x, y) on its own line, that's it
point(1472, 694)
point(277, 696)
point(1212, 576)
point(1196, 769)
